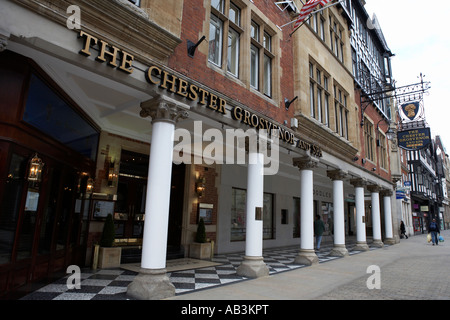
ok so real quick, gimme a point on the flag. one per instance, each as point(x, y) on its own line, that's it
point(307, 9)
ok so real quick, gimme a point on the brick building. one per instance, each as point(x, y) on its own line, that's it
point(155, 112)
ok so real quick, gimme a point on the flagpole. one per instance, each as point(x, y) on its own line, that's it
point(320, 10)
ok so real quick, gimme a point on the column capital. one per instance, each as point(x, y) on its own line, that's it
point(358, 182)
point(386, 193)
point(337, 174)
point(163, 109)
point(305, 163)
point(374, 188)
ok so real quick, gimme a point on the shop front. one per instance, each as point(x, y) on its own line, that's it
point(48, 153)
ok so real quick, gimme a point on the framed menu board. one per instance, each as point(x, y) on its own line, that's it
point(102, 208)
point(205, 211)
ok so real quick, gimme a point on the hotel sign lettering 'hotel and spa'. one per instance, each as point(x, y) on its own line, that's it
point(123, 60)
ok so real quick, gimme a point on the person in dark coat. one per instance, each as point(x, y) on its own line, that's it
point(319, 228)
point(434, 230)
point(403, 230)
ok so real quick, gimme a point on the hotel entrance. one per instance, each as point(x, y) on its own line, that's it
point(129, 212)
point(47, 161)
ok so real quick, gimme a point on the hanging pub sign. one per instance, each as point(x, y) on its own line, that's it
point(414, 139)
point(411, 111)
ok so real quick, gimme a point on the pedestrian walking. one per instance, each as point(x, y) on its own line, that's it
point(319, 228)
point(403, 230)
point(434, 230)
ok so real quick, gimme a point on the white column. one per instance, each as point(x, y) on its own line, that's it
point(389, 231)
point(361, 242)
point(307, 210)
point(154, 245)
point(152, 281)
point(376, 215)
point(338, 213)
point(306, 255)
point(255, 195)
point(253, 265)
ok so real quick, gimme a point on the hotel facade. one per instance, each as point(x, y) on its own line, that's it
point(165, 113)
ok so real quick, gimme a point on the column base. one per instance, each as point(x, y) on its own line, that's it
point(151, 284)
point(361, 246)
point(339, 250)
point(390, 241)
point(378, 243)
point(306, 257)
point(253, 267)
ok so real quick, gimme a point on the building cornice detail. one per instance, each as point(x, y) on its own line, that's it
point(123, 25)
point(328, 141)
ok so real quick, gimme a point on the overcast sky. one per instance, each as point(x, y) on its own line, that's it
point(417, 33)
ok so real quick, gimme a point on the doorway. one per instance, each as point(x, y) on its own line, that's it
point(130, 205)
point(174, 248)
point(129, 210)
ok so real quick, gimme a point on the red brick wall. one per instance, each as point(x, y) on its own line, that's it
point(196, 68)
point(371, 113)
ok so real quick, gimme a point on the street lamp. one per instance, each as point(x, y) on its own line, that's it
point(390, 134)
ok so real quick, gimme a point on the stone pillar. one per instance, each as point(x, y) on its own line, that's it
point(152, 281)
point(361, 242)
point(387, 194)
point(376, 215)
point(253, 265)
point(339, 249)
point(306, 255)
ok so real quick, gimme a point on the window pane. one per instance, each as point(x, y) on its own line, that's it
point(235, 14)
point(215, 40)
point(346, 124)
point(238, 214)
point(311, 100)
point(336, 117)
point(25, 242)
point(63, 221)
point(296, 214)
point(255, 31)
point(319, 104)
point(49, 215)
point(268, 232)
point(267, 76)
point(217, 4)
point(46, 111)
point(233, 52)
point(10, 206)
point(267, 41)
point(254, 66)
point(322, 29)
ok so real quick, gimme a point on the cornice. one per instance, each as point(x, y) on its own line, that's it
point(329, 142)
point(115, 20)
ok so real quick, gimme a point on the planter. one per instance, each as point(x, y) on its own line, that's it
point(109, 257)
point(200, 251)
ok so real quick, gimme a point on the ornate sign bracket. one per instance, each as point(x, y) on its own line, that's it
point(375, 90)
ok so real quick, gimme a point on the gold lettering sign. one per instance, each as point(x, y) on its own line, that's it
point(107, 53)
point(181, 87)
point(154, 75)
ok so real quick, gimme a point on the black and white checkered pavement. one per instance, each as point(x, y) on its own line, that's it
point(111, 284)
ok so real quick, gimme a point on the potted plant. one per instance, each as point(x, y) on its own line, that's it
point(200, 249)
point(109, 256)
